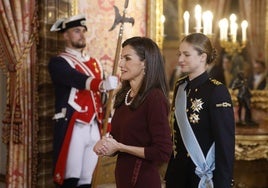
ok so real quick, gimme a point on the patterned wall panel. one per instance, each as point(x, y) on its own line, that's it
point(100, 18)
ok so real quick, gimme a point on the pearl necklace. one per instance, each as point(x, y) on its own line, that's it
point(126, 97)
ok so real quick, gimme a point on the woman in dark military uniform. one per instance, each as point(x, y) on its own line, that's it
point(202, 121)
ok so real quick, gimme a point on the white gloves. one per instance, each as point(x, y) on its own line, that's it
point(110, 83)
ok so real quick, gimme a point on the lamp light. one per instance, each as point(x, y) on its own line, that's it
point(228, 29)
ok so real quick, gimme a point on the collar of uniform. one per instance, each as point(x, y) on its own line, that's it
point(198, 80)
point(78, 54)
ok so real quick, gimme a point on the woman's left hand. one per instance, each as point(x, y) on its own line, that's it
point(106, 146)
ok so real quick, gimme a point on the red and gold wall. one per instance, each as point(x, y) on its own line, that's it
point(100, 16)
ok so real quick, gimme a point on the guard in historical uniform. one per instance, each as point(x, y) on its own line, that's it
point(79, 84)
point(202, 119)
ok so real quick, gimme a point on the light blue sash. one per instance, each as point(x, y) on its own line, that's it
point(204, 167)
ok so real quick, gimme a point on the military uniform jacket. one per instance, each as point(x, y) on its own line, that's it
point(72, 101)
point(211, 116)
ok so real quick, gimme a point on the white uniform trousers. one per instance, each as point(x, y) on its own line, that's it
point(82, 160)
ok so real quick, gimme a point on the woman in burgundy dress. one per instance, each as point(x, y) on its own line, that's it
point(140, 134)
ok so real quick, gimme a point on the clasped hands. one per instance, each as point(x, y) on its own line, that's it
point(107, 146)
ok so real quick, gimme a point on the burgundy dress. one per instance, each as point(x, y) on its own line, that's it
point(147, 127)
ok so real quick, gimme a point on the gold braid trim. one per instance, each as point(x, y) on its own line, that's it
point(172, 120)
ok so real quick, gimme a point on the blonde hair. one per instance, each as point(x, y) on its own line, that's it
point(202, 44)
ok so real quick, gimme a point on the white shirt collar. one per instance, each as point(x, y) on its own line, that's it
point(78, 54)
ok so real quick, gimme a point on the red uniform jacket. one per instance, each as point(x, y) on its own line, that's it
point(86, 104)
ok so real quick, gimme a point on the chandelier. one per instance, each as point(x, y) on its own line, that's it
point(228, 29)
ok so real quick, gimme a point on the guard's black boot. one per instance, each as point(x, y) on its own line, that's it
point(70, 183)
point(84, 186)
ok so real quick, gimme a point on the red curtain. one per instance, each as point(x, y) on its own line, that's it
point(18, 38)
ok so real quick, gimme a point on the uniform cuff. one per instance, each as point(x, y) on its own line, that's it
point(93, 84)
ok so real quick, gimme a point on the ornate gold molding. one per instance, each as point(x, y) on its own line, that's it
point(251, 147)
point(259, 99)
point(154, 24)
point(74, 7)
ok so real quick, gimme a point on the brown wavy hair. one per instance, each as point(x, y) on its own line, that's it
point(154, 77)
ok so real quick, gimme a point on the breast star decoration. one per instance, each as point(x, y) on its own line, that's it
point(194, 118)
point(196, 106)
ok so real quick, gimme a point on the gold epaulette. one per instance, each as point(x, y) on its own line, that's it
point(215, 82)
